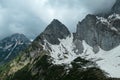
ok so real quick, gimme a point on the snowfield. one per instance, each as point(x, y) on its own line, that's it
point(109, 61)
point(64, 53)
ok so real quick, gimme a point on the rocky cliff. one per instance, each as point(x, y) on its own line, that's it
point(91, 53)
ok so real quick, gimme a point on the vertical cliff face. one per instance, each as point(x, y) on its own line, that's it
point(99, 31)
point(91, 53)
point(86, 30)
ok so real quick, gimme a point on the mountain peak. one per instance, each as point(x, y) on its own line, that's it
point(16, 37)
point(55, 21)
point(17, 34)
point(55, 31)
point(55, 25)
point(11, 46)
point(90, 16)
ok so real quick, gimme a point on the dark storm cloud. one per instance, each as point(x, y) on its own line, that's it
point(30, 17)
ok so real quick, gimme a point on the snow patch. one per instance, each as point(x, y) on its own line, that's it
point(114, 16)
point(103, 20)
point(11, 51)
point(107, 60)
point(63, 53)
point(8, 46)
point(114, 29)
point(109, 20)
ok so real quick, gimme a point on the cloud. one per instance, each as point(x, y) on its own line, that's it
point(30, 17)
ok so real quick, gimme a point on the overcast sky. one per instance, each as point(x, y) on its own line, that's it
point(30, 17)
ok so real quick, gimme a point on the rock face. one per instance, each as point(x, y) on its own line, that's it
point(56, 44)
point(86, 30)
point(54, 31)
point(116, 7)
point(11, 46)
point(91, 53)
point(98, 31)
point(36, 64)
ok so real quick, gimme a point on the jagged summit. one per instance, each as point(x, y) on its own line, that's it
point(89, 16)
point(16, 37)
point(116, 7)
point(55, 21)
point(55, 27)
point(54, 31)
point(100, 31)
point(12, 45)
point(86, 28)
point(92, 53)
point(17, 34)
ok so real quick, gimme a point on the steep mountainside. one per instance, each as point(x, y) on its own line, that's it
point(116, 7)
point(54, 31)
point(91, 53)
point(11, 46)
point(51, 61)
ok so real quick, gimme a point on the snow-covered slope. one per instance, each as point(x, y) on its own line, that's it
point(62, 53)
point(91, 51)
point(56, 54)
point(65, 53)
point(109, 61)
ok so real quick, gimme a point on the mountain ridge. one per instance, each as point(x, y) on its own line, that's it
point(12, 45)
point(92, 53)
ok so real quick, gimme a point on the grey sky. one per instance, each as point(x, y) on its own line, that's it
point(30, 17)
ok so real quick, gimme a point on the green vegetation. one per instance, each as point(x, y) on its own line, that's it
point(39, 67)
point(22, 74)
point(42, 69)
